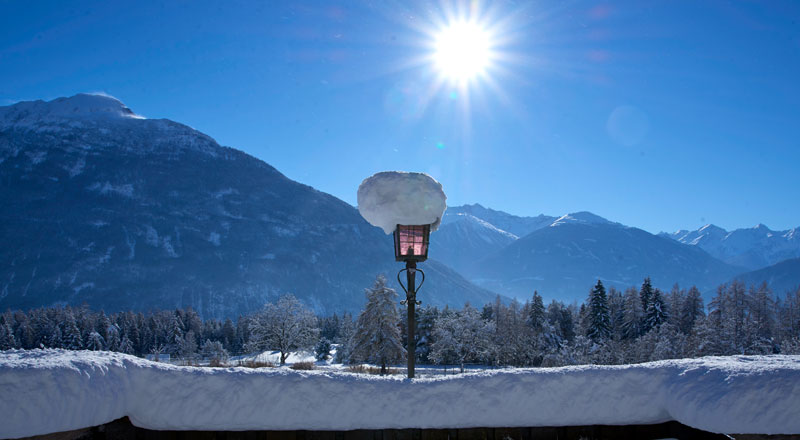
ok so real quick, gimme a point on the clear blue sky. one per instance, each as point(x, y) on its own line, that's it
point(660, 115)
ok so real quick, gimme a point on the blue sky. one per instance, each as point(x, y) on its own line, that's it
point(660, 115)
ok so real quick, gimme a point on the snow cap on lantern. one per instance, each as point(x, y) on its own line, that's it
point(392, 198)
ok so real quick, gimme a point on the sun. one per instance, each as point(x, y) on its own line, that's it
point(462, 51)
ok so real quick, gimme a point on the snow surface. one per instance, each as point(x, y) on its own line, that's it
point(583, 217)
point(80, 106)
point(48, 391)
point(392, 198)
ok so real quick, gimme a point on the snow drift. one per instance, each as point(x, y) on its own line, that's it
point(392, 198)
point(48, 391)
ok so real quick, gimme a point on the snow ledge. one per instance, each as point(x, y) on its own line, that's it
point(49, 391)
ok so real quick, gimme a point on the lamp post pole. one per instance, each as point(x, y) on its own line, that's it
point(411, 301)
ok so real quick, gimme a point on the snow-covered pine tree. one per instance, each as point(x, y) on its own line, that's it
point(616, 311)
point(427, 319)
point(656, 313)
point(323, 349)
point(228, 333)
point(95, 342)
point(285, 326)
point(560, 317)
point(377, 335)
point(632, 315)
point(645, 295)
point(674, 303)
point(536, 313)
point(126, 346)
point(174, 334)
point(7, 340)
point(598, 327)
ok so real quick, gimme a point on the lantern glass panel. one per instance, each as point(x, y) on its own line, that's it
point(411, 242)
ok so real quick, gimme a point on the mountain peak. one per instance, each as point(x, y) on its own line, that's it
point(80, 106)
point(709, 228)
point(762, 227)
point(583, 217)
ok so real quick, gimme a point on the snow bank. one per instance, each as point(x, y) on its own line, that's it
point(55, 390)
point(392, 198)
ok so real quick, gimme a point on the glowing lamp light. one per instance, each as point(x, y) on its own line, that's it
point(411, 242)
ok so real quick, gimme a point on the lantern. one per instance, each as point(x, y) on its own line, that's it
point(411, 242)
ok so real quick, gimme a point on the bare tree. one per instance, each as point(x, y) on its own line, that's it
point(285, 326)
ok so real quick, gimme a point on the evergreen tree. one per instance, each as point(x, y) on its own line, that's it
point(674, 304)
point(323, 349)
point(329, 326)
point(646, 295)
point(560, 317)
point(377, 337)
point(125, 345)
point(7, 340)
point(95, 342)
point(632, 315)
point(656, 313)
point(599, 322)
point(427, 319)
point(616, 311)
point(536, 314)
point(228, 334)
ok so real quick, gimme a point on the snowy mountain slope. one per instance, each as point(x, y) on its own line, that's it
point(752, 248)
point(737, 394)
point(582, 218)
point(121, 212)
point(564, 260)
point(781, 277)
point(519, 226)
point(463, 238)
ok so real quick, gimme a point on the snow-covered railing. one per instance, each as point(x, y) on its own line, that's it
point(48, 391)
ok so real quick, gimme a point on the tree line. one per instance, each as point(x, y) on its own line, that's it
point(610, 327)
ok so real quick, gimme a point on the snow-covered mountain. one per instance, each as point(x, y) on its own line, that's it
point(752, 248)
point(463, 238)
point(564, 258)
point(516, 225)
point(105, 207)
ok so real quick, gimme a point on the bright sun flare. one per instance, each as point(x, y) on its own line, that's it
point(462, 51)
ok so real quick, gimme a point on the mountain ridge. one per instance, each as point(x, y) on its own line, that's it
point(752, 248)
point(125, 212)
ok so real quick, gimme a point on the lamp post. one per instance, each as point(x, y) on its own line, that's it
point(409, 205)
point(411, 245)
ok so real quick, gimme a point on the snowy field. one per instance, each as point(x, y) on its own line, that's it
point(55, 390)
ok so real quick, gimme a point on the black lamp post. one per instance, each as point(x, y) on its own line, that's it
point(411, 246)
